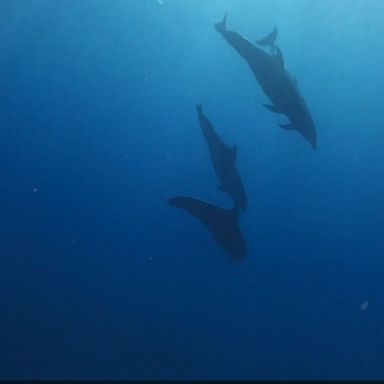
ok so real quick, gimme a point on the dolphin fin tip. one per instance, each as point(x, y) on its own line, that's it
point(221, 25)
point(269, 39)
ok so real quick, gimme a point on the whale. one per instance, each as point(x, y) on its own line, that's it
point(222, 223)
point(277, 83)
point(223, 159)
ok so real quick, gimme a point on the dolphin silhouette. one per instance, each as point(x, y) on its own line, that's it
point(224, 161)
point(275, 80)
point(223, 224)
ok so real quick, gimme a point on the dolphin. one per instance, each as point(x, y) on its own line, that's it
point(223, 224)
point(224, 161)
point(279, 86)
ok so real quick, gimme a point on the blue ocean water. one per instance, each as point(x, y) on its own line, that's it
point(100, 279)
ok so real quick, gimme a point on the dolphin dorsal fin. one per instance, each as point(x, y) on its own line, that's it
point(269, 39)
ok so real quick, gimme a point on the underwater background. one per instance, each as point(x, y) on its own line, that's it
point(101, 279)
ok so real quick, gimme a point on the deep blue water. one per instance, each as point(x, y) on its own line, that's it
point(99, 278)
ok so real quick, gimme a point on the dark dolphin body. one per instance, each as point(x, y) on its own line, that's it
point(223, 223)
point(275, 81)
point(224, 162)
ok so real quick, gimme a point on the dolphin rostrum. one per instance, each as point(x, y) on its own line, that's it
point(275, 80)
point(224, 161)
point(223, 223)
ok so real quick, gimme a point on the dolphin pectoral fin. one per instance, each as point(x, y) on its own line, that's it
point(269, 39)
point(221, 26)
point(287, 127)
point(273, 108)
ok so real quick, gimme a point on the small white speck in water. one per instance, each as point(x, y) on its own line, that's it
point(364, 305)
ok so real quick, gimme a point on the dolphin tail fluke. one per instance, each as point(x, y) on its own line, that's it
point(221, 26)
point(270, 39)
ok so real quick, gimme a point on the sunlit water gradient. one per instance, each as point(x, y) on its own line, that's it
point(99, 278)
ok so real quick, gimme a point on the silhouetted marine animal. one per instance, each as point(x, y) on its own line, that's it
point(275, 80)
point(224, 162)
point(223, 223)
